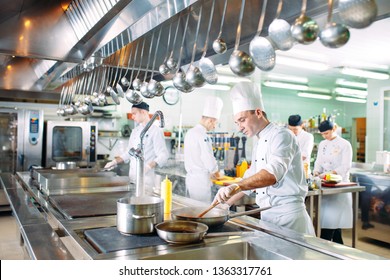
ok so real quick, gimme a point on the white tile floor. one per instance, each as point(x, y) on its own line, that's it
point(10, 248)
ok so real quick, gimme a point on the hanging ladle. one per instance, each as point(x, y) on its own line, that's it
point(144, 86)
point(305, 30)
point(240, 62)
point(163, 68)
point(194, 76)
point(334, 35)
point(155, 88)
point(179, 80)
point(219, 45)
point(279, 31)
point(260, 48)
point(137, 82)
point(206, 66)
point(132, 95)
point(171, 62)
point(357, 13)
point(118, 87)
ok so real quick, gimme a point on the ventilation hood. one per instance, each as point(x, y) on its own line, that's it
point(41, 41)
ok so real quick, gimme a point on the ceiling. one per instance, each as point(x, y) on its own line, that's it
point(39, 44)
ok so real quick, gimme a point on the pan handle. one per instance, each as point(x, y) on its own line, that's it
point(254, 211)
point(139, 217)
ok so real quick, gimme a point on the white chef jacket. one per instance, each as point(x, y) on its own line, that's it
point(199, 162)
point(306, 143)
point(154, 149)
point(277, 152)
point(336, 209)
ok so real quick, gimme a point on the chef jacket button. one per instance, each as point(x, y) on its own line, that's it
point(262, 159)
point(255, 160)
point(265, 140)
point(263, 192)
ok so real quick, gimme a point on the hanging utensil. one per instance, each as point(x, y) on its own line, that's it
point(118, 87)
point(163, 68)
point(125, 82)
point(260, 48)
point(179, 80)
point(137, 82)
point(240, 62)
point(155, 88)
point(279, 31)
point(219, 45)
point(357, 13)
point(334, 35)
point(131, 94)
point(206, 66)
point(194, 76)
point(144, 86)
point(171, 62)
point(305, 30)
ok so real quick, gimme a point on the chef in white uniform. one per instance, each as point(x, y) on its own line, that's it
point(276, 173)
point(155, 150)
point(305, 139)
point(199, 161)
point(334, 156)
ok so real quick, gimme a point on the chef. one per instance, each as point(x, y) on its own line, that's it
point(199, 161)
point(155, 149)
point(334, 156)
point(305, 139)
point(276, 173)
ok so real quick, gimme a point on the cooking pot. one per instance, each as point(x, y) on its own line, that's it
point(139, 215)
point(215, 217)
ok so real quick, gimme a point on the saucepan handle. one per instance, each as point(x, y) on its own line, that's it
point(254, 211)
point(140, 217)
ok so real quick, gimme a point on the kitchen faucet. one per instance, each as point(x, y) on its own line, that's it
point(138, 153)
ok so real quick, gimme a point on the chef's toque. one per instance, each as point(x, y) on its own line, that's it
point(212, 107)
point(246, 96)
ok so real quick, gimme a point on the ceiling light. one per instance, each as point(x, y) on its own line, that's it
point(365, 73)
point(216, 87)
point(285, 85)
point(350, 91)
point(349, 99)
point(364, 65)
point(314, 95)
point(288, 78)
point(231, 79)
point(347, 83)
point(300, 63)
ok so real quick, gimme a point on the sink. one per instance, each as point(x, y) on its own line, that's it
point(242, 250)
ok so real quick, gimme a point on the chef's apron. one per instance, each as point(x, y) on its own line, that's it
point(199, 186)
point(336, 211)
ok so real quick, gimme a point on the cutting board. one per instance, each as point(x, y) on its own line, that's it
point(227, 180)
point(338, 185)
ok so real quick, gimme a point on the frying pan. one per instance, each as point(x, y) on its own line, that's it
point(185, 232)
point(215, 217)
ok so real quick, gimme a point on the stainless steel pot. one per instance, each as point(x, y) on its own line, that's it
point(139, 215)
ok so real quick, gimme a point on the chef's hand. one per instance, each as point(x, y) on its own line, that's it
point(147, 168)
point(224, 206)
point(225, 193)
point(216, 175)
point(111, 164)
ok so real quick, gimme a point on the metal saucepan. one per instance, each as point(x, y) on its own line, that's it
point(215, 217)
point(185, 232)
point(357, 13)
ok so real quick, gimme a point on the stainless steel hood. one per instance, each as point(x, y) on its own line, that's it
point(40, 41)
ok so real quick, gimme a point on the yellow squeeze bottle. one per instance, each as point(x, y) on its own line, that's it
point(166, 194)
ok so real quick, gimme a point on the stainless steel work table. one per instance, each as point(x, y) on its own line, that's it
point(315, 197)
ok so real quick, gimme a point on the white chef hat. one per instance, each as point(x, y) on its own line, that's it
point(246, 96)
point(212, 107)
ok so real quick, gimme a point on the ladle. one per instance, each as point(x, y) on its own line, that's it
point(279, 31)
point(155, 88)
point(111, 90)
point(118, 87)
point(179, 80)
point(240, 62)
point(194, 76)
point(163, 68)
point(132, 95)
point(206, 66)
point(171, 62)
point(305, 30)
point(357, 13)
point(137, 82)
point(144, 86)
point(219, 45)
point(124, 81)
point(260, 48)
point(334, 35)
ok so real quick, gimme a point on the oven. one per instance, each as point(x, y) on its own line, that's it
point(70, 141)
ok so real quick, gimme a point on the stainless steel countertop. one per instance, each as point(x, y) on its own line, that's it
point(264, 239)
